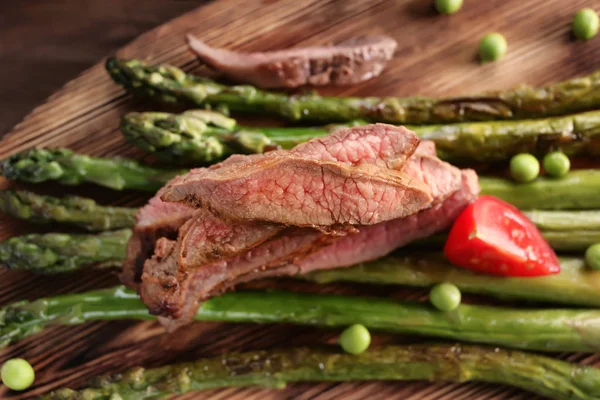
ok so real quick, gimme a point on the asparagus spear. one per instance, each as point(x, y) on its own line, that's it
point(187, 138)
point(555, 379)
point(79, 211)
point(169, 84)
point(578, 190)
point(190, 139)
point(66, 167)
point(565, 220)
point(575, 284)
point(60, 252)
point(197, 136)
point(535, 329)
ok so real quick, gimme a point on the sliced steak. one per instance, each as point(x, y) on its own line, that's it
point(345, 63)
point(297, 191)
point(201, 263)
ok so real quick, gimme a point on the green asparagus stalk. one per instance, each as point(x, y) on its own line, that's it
point(188, 139)
point(565, 220)
point(199, 136)
point(578, 190)
point(19, 253)
point(69, 168)
point(576, 283)
point(545, 376)
point(169, 84)
point(52, 253)
point(535, 329)
point(79, 211)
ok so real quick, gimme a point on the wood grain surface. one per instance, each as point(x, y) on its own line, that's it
point(436, 56)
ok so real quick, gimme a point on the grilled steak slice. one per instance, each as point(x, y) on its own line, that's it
point(302, 192)
point(302, 181)
point(379, 144)
point(345, 63)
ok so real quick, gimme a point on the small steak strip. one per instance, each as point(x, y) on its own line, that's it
point(348, 62)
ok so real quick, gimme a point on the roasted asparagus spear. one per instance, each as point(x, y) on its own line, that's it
point(578, 190)
point(79, 211)
point(535, 329)
point(49, 256)
point(190, 139)
point(61, 252)
point(69, 168)
point(169, 84)
point(274, 369)
point(576, 284)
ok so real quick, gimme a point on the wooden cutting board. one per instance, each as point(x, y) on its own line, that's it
point(436, 56)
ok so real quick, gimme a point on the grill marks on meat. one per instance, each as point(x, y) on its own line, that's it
point(297, 191)
point(345, 63)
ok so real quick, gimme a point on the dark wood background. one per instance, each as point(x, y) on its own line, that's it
point(436, 56)
point(45, 43)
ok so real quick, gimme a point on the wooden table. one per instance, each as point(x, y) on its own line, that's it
point(436, 56)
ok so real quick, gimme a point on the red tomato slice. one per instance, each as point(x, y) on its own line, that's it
point(494, 237)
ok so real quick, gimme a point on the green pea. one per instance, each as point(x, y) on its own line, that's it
point(586, 24)
point(448, 6)
point(355, 339)
point(492, 47)
point(17, 374)
point(445, 296)
point(557, 164)
point(524, 167)
point(592, 256)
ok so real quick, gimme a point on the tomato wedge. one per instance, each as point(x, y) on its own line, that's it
point(494, 237)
